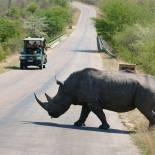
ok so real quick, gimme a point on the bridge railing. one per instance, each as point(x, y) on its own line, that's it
point(103, 46)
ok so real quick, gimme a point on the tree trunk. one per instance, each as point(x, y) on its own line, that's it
point(9, 4)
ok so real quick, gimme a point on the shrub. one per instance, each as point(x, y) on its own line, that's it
point(129, 26)
point(14, 12)
point(118, 15)
point(57, 19)
point(35, 26)
point(7, 29)
point(2, 53)
point(32, 7)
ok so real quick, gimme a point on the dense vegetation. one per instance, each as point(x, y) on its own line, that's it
point(21, 18)
point(129, 26)
point(89, 1)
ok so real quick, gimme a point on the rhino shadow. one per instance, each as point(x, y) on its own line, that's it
point(85, 128)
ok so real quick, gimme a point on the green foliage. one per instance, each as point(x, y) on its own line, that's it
point(7, 29)
point(105, 28)
point(129, 26)
point(57, 20)
point(14, 12)
point(118, 14)
point(36, 26)
point(32, 7)
point(47, 18)
point(3, 53)
point(89, 1)
point(62, 3)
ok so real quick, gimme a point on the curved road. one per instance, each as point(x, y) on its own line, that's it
point(26, 129)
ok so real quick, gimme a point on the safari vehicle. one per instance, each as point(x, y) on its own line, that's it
point(33, 53)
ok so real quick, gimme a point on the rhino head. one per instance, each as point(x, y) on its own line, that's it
point(57, 105)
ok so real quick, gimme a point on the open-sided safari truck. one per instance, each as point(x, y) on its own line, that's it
point(33, 53)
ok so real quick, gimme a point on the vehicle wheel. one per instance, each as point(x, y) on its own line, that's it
point(41, 66)
point(21, 66)
point(25, 67)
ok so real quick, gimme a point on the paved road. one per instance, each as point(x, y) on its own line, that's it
point(26, 129)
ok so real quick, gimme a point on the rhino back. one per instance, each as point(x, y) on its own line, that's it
point(115, 91)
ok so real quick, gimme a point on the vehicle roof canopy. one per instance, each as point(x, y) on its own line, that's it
point(34, 39)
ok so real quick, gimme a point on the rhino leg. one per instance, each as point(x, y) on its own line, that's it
point(96, 109)
point(149, 114)
point(84, 114)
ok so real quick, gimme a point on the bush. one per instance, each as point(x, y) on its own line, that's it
point(32, 7)
point(14, 12)
point(35, 26)
point(137, 45)
point(62, 3)
point(3, 52)
point(118, 15)
point(7, 29)
point(129, 26)
point(57, 19)
point(33, 19)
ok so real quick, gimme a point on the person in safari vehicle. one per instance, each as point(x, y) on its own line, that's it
point(33, 53)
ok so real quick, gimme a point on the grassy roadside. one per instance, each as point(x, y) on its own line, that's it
point(130, 31)
point(134, 120)
point(12, 61)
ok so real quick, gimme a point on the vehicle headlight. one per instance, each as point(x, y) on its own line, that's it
point(38, 57)
point(22, 57)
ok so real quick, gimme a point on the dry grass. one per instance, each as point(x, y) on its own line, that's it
point(143, 137)
point(11, 62)
point(76, 14)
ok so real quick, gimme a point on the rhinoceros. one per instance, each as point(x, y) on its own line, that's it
point(96, 90)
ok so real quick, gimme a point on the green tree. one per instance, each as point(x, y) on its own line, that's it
point(62, 3)
point(117, 14)
point(7, 29)
point(32, 7)
point(57, 20)
point(14, 12)
point(36, 26)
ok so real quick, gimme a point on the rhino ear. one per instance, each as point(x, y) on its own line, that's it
point(59, 82)
point(49, 99)
point(42, 104)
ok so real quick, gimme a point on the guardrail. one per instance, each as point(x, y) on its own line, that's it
point(55, 40)
point(103, 46)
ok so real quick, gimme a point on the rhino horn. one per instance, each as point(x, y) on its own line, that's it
point(49, 99)
point(59, 82)
point(42, 104)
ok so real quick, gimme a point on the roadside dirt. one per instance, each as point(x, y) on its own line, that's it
point(11, 62)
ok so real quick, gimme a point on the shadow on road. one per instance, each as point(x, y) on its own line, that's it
point(12, 67)
point(66, 126)
point(18, 68)
point(87, 51)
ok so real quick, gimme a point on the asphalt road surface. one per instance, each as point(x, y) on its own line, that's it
point(26, 129)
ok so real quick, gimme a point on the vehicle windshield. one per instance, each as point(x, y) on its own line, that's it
point(33, 43)
point(33, 47)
